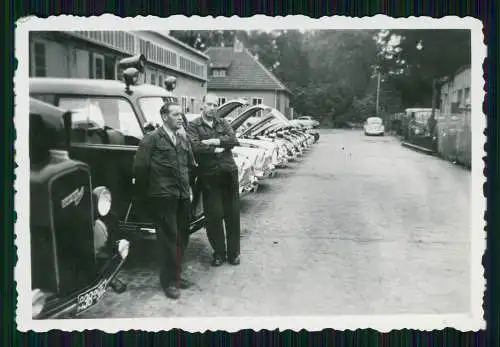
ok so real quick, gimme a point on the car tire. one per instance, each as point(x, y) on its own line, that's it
point(118, 286)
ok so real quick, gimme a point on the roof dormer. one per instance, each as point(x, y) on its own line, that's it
point(218, 72)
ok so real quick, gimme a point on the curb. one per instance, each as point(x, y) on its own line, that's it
point(418, 148)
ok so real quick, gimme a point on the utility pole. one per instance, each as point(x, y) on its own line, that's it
point(378, 91)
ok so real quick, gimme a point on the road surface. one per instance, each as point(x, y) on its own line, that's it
point(359, 225)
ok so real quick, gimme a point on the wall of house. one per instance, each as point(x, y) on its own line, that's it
point(180, 53)
point(284, 104)
point(454, 120)
point(72, 57)
point(267, 96)
point(456, 90)
point(56, 57)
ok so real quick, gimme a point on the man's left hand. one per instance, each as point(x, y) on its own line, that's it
point(211, 142)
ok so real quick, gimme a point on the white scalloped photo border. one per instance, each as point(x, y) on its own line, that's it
point(468, 321)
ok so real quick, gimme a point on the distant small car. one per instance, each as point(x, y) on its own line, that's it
point(374, 126)
point(75, 254)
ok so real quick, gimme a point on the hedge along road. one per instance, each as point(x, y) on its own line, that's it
point(359, 225)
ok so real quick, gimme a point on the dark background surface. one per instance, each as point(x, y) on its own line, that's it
point(486, 11)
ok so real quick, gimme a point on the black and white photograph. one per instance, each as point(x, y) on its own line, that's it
point(231, 173)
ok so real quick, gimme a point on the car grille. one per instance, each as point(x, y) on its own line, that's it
point(72, 225)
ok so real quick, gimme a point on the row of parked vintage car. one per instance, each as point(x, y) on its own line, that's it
point(83, 207)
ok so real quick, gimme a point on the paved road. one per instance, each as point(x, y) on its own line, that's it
point(358, 226)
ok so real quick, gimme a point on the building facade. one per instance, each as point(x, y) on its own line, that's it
point(95, 55)
point(454, 117)
point(234, 73)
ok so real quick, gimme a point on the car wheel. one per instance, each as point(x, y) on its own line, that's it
point(118, 286)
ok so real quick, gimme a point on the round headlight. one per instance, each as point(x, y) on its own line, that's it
point(102, 200)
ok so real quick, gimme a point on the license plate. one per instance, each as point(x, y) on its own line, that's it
point(91, 297)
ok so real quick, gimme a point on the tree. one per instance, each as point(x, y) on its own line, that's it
point(411, 59)
point(202, 39)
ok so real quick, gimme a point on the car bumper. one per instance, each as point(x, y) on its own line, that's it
point(147, 230)
point(267, 173)
point(283, 162)
point(249, 187)
point(68, 306)
point(374, 133)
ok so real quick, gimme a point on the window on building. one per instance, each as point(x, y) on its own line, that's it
point(191, 106)
point(39, 59)
point(184, 103)
point(460, 100)
point(190, 66)
point(93, 115)
point(467, 97)
point(256, 101)
point(110, 68)
point(222, 101)
point(219, 73)
point(98, 66)
point(444, 102)
point(153, 79)
point(160, 80)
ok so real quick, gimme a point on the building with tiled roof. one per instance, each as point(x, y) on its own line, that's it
point(234, 73)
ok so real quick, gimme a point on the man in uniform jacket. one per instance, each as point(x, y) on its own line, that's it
point(162, 164)
point(212, 139)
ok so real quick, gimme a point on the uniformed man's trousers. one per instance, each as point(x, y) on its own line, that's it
point(171, 217)
point(221, 205)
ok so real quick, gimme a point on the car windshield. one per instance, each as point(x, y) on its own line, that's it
point(150, 107)
point(374, 121)
point(85, 112)
point(94, 112)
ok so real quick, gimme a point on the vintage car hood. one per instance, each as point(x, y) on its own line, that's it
point(280, 116)
point(270, 126)
point(268, 144)
point(259, 126)
point(249, 112)
point(272, 118)
point(230, 106)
